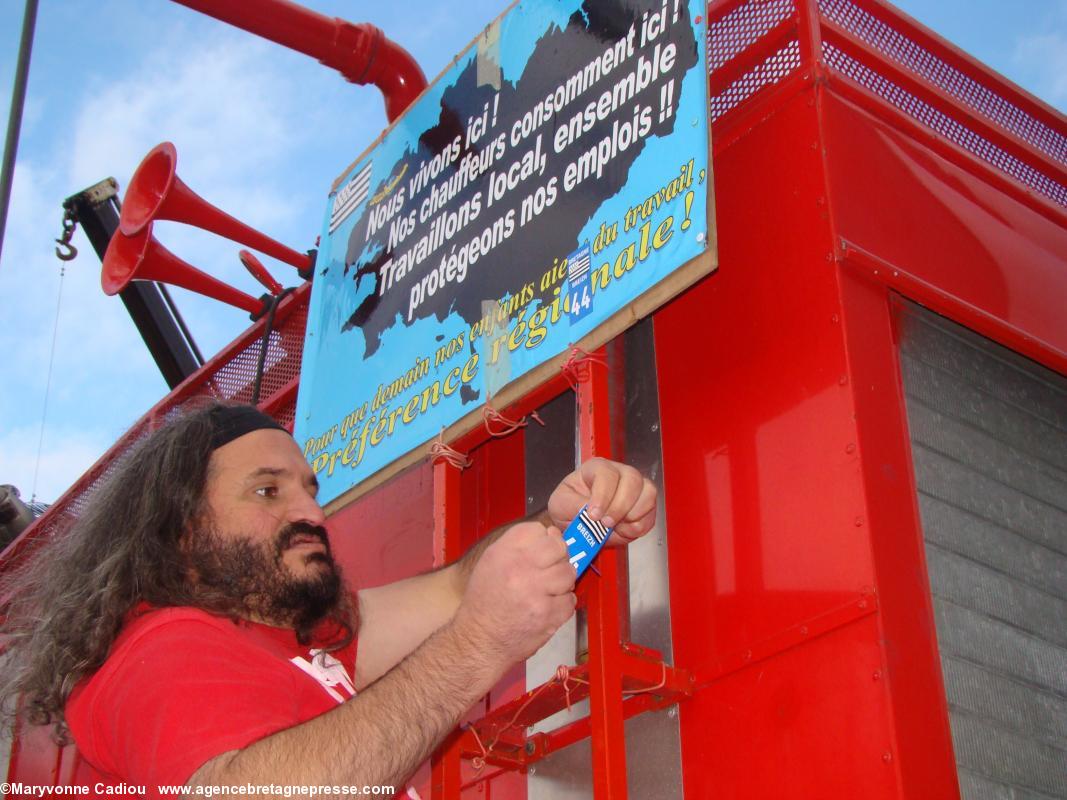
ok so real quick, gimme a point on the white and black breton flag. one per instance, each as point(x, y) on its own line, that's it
point(598, 529)
point(350, 196)
point(578, 267)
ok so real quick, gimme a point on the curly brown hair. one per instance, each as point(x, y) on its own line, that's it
point(66, 603)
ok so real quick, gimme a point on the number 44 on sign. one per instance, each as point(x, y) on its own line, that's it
point(578, 279)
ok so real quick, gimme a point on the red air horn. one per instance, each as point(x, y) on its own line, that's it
point(259, 272)
point(142, 257)
point(156, 192)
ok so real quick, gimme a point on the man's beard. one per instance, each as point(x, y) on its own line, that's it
point(248, 578)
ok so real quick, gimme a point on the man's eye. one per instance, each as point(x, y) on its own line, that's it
point(267, 491)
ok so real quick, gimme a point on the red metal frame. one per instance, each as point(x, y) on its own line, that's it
point(445, 769)
point(602, 608)
point(614, 666)
point(800, 601)
point(790, 140)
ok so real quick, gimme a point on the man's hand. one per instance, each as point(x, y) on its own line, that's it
point(519, 592)
point(617, 495)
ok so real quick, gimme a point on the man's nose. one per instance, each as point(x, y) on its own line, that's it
point(307, 509)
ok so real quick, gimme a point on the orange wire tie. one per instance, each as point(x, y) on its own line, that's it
point(563, 676)
point(578, 365)
point(439, 451)
point(493, 417)
point(478, 762)
point(660, 685)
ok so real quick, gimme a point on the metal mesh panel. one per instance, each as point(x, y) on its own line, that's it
point(286, 414)
point(742, 27)
point(922, 62)
point(737, 31)
point(770, 71)
point(235, 379)
point(944, 125)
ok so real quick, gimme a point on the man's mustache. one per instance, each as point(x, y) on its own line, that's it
point(291, 532)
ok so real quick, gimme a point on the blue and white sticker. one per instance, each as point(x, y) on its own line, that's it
point(584, 537)
point(580, 286)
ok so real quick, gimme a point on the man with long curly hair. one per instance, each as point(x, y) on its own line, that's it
point(192, 626)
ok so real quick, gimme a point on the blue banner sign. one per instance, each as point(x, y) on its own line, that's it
point(554, 174)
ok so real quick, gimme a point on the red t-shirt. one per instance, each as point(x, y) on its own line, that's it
point(181, 686)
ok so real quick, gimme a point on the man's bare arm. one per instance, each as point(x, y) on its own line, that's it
point(378, 737)
point(398, 617)
point(518, 593)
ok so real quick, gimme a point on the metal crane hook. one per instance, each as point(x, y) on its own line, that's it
point(66, 251)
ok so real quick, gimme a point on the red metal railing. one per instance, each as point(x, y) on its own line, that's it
point(897, 69)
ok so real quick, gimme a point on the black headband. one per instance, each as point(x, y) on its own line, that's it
point(231, 422)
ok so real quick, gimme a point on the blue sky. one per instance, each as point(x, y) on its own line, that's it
point(260, 131)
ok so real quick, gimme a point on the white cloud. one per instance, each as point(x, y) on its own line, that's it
point(217, 99)
point(236, 117)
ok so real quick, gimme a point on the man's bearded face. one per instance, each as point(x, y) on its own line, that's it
point(253, 572)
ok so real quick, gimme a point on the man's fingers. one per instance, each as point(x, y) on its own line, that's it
point(556, 535)
point(615, 494)
point(641, 518)
point(627, 493)
point(563, 609)
point(559, 579)
point(544, 546)
point(602, 479)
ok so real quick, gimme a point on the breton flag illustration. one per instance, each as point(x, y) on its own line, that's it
point(578, 265)
point(584, 537)
point(350, 196)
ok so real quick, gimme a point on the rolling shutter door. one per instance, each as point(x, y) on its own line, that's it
point(989, 443)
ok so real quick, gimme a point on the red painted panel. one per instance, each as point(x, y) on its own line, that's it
point(809, 723)
point(759, 440)
point(923, 742)
point(493, 492)
point(764, 497)
point(387, 534)
point(930, 219)
point(494, 487)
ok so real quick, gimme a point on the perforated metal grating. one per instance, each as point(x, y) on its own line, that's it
point(734, 33)
point(742, 28)
point(738, 30)
point(883, 38)
point(770, 71)
point(944, 125)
